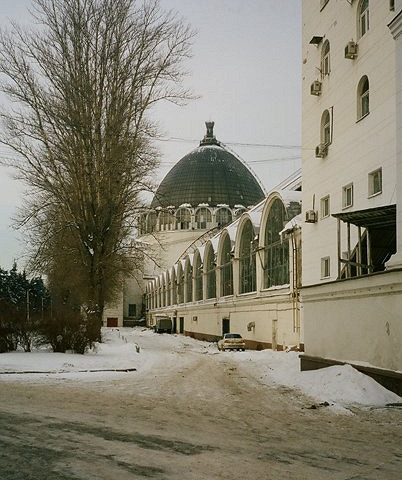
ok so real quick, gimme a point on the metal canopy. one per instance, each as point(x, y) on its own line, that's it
point(373, 218)
point(316, 40)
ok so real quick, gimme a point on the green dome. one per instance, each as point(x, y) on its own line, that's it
point(209, 174)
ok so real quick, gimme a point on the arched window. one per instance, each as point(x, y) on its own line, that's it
point(276, 253)
point(325, 65)
point(363, 101)
point(166, 220)
point(189, 281)
point(183, 219)
point(210, 273)
point(363, 18)
point(239, 212)
point(247, 262)
point(223, 217)
point(226, 268)
point(326, 128)
point(173, 286)
point(197, 277)
point(203, 218)
point(151, 222)
point(180, 284)
point(168, 289)
point(163, 299)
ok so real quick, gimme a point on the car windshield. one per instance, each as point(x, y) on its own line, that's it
point(232, 335)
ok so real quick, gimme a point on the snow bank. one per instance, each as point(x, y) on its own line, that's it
point(340, 385)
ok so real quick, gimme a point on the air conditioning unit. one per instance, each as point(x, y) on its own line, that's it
point(351, 50)
point(315, 88)
point(321, 150)
point(311, 216)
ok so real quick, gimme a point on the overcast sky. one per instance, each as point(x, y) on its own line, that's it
point(246, 69)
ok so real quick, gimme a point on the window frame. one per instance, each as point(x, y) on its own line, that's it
point(371, 182)
point(325, 201)
point(345, 189)
point(210, 273)
point(326, 128)
point(226, 268)
point(363, 98)
point(363, 18)
point(325, 59)
point(247, 259)
point(325, 268)
point(276, 251)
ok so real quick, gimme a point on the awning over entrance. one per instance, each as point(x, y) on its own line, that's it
point(372, 218)
point(376, 240)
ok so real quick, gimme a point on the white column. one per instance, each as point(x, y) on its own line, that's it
point(396, 30)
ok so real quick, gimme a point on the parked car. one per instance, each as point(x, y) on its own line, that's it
point(163, 324)
point(231, 341)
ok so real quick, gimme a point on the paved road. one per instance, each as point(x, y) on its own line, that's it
point(193, 416)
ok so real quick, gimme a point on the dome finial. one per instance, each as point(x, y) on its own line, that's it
point(209, 138)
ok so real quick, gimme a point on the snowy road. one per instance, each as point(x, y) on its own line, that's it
point(188, 413)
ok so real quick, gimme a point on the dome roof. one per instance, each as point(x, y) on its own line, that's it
point(209, 174)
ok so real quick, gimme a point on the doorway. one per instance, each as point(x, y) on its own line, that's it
point(181, 324)
point(225, 326)
point(111, 322)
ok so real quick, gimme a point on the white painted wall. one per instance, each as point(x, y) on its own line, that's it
point(358, 147)
point(356, 321)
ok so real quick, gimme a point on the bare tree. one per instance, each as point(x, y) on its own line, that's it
point(82, 85)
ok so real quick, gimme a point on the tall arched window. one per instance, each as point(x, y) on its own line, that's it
point(173, 286)
point(168, 289)
point(210, 273)
point(363, 17)
point(325, 65)
point(183, 219)
point(189, 281)
point(226, 267)
point(180, 284)
point(163, 299)
point(151, 222)
point(203, 218)
point(197, 277)
point(276, 253)
point(223, 217)
point(247, 262)
point(326, 128)
point(363, 100)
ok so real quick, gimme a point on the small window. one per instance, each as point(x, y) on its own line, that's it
point(375, 182)
point(392, 5)
point(325, 267)
point(363, 99)
point(347, 196)
point(363, 18)
point(325, 207)
point(132, 310)
point(325, 66)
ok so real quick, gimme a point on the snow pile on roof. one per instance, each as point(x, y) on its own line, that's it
point(293, 224)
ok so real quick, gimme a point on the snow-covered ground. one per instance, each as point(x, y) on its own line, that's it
point(340, 386)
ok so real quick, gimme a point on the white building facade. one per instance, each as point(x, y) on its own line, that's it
point(245, 279)
point(352, 292)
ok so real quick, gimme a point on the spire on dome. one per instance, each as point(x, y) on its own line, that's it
point(209, 138)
